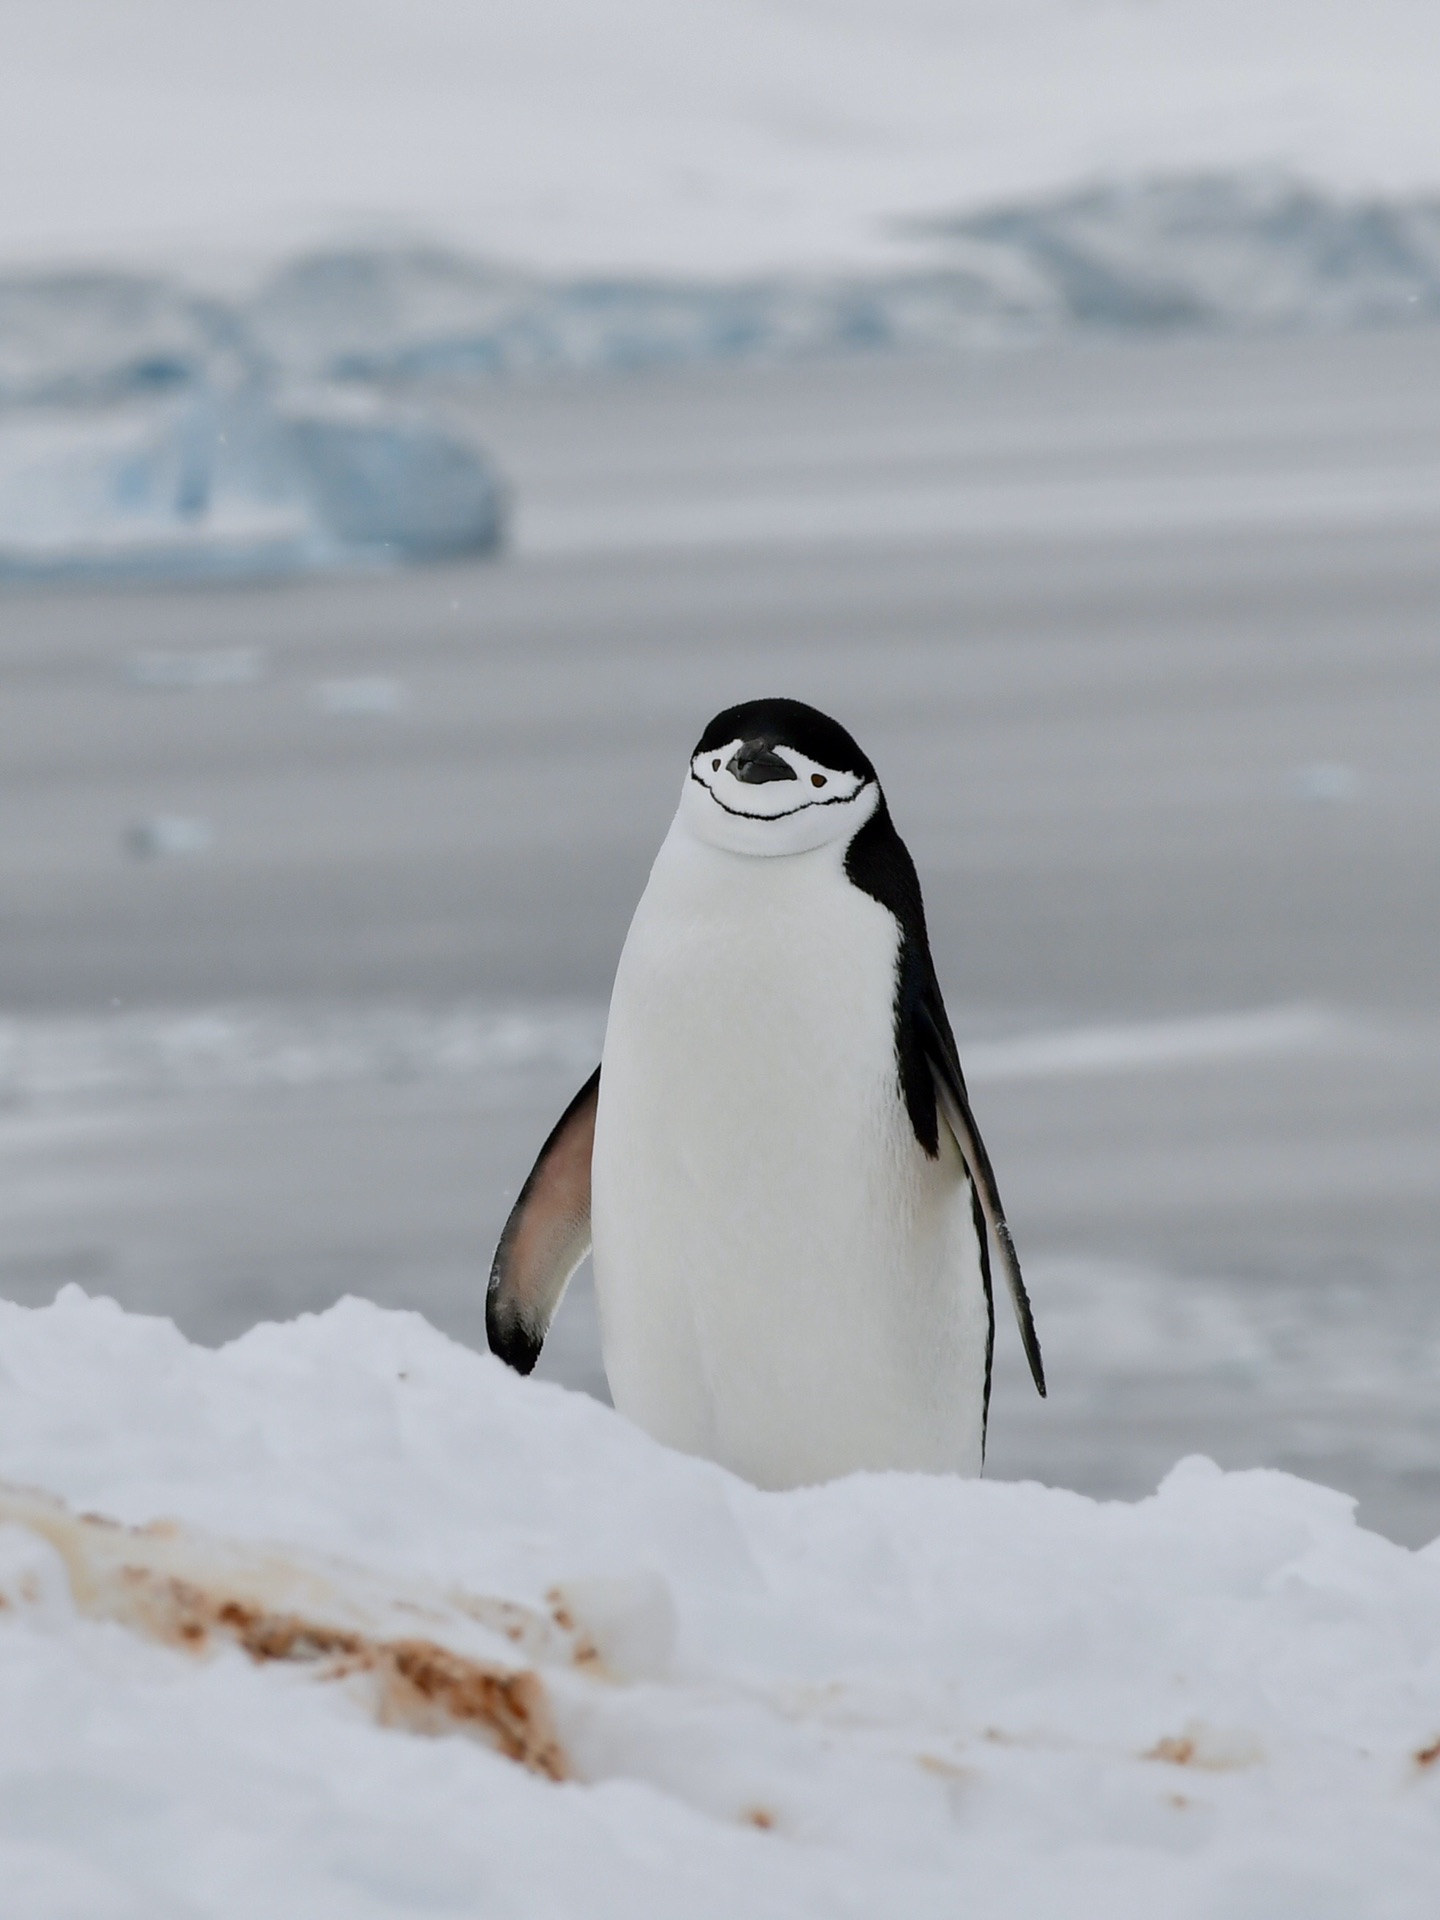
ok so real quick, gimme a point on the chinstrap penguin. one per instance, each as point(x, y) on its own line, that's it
point(791, 1208)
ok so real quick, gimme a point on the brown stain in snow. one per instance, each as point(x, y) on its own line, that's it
point(414, 1683)
point(129, 1575)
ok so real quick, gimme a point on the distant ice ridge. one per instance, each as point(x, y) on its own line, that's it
point(1216, 251)
point(146, 427)
point(896, 1694)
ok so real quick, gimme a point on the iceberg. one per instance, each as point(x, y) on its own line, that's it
point(212, 480)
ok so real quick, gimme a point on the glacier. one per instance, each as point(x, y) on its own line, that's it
point(1218, 252)
point(357, 1543)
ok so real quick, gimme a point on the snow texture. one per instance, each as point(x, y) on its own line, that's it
point(893, 1694)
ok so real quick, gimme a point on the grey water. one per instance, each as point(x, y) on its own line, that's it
point(310, 893)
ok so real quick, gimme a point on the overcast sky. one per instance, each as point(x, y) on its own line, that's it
point(704, 135)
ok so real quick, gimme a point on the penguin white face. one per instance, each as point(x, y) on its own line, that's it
point(776, 777)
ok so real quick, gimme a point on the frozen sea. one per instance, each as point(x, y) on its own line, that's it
point(311, 893)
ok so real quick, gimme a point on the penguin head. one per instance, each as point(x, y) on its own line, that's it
point(776, 776)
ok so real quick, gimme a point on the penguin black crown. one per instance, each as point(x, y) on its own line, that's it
point(791, 1208)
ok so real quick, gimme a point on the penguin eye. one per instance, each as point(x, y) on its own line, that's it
point(817, 779)
point(714, 766)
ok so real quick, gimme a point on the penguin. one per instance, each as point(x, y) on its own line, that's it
point(791, 1210)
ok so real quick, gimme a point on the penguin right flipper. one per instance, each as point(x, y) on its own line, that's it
point(954, 1103)
point(545, 1238)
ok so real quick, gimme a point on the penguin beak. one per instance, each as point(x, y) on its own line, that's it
point(755, 763)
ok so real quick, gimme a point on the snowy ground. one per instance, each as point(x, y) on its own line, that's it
point(889, 1695)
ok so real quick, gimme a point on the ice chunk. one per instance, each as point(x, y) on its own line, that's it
point(1326, 781)
point(212, 667)
point(165, 835)
point(365, 695)
point(386, 481)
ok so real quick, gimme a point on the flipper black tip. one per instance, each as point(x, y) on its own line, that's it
point(545, 1238)
point(510, 1339)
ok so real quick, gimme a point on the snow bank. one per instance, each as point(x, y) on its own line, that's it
point(889, 1695)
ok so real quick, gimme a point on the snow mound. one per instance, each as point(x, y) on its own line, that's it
point(893, 1694)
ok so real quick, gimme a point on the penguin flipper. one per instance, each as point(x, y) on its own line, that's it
point(545, 1238)
point(954, 1104)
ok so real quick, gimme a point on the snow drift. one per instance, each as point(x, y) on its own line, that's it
point(889, 1695)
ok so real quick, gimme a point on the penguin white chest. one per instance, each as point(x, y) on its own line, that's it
point(787, 1282)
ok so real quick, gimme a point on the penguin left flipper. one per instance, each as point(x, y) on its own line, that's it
point(954, 1103)
point(545, 1238)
